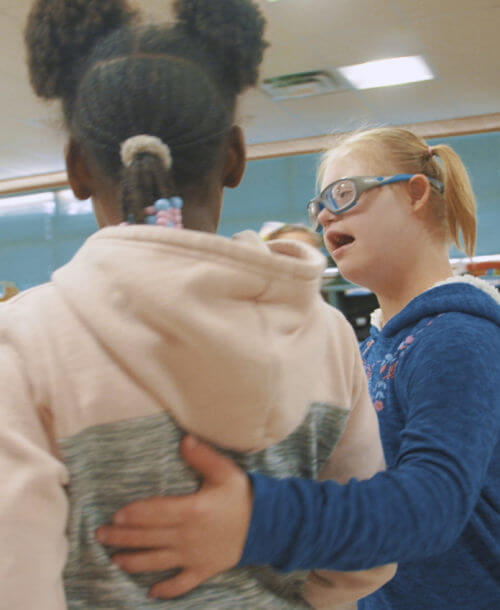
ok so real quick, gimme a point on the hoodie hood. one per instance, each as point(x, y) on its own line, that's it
point(460, 294)
point(207, 325)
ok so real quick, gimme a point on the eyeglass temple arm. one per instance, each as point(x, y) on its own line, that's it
point(401, 177)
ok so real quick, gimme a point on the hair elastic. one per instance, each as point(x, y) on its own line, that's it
point(165, 213)
point(431, 152)
point(145, 144)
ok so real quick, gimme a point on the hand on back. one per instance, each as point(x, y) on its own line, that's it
point(203, 533)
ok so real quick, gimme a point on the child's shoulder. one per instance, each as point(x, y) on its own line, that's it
point(453, 344)
point(433, 341)
point(25, 306)
point(31, 315)
point(454, 327)
point(26, 297)
point(448, 333)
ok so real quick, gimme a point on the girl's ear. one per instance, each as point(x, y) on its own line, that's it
point(79, 176)
point(234, 167)
point(420, 191)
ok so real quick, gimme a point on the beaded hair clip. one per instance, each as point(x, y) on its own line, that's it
point(165, 213)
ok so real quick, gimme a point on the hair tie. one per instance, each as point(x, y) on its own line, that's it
point(431, 152)
point(145, 144)
point(165, 213)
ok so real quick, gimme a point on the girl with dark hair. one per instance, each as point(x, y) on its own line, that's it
point(151, 330)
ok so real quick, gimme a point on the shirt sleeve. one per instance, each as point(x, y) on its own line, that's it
point(416, 509)
point(33, 507)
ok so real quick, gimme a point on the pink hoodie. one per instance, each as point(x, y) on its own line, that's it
point(145, 333)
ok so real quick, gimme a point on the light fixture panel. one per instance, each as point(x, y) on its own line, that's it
point(387, 72)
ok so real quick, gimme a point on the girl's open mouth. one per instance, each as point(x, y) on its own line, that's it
point(338, 240)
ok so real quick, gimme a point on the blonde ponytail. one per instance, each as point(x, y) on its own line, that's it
point(459, 199)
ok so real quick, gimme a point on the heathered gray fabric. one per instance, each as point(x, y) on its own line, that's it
point(114, 464)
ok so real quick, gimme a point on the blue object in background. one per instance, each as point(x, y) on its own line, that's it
point(41, 235)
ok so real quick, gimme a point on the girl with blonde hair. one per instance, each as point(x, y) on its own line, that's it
point(389, 206)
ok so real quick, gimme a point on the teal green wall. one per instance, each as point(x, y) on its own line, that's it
point(33, 245)
point(272, 189)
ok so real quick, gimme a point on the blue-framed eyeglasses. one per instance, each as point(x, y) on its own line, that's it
point(342, 195)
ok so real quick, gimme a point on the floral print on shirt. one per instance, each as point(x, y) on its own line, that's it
point(381, 372)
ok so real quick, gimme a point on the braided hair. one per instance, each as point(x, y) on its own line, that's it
point(118, 78)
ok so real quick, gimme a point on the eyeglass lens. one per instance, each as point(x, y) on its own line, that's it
point(338, 196)
point(314, 208)
point(341, 194)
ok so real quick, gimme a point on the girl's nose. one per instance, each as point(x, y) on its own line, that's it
point(325, 217)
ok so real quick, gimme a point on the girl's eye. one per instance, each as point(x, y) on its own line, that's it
point(343, 191)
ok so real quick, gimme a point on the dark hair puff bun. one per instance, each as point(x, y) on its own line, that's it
point(60, 35)
point(233, 32)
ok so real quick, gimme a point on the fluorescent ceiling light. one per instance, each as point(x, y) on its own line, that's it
point(387, 72)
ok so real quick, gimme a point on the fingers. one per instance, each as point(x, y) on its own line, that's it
point(214, 467)
point(153, 512)
point(171, 511)
point(147, 561)
point(136, 538)
point(178, 585)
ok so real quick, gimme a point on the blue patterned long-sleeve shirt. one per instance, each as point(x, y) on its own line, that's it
point(434, 377)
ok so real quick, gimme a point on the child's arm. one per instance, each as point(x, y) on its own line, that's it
point(415, 510)
point(448, 384)
point(33, 506)
point(358, 454)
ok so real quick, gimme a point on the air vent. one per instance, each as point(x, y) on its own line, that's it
point(302, 84)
